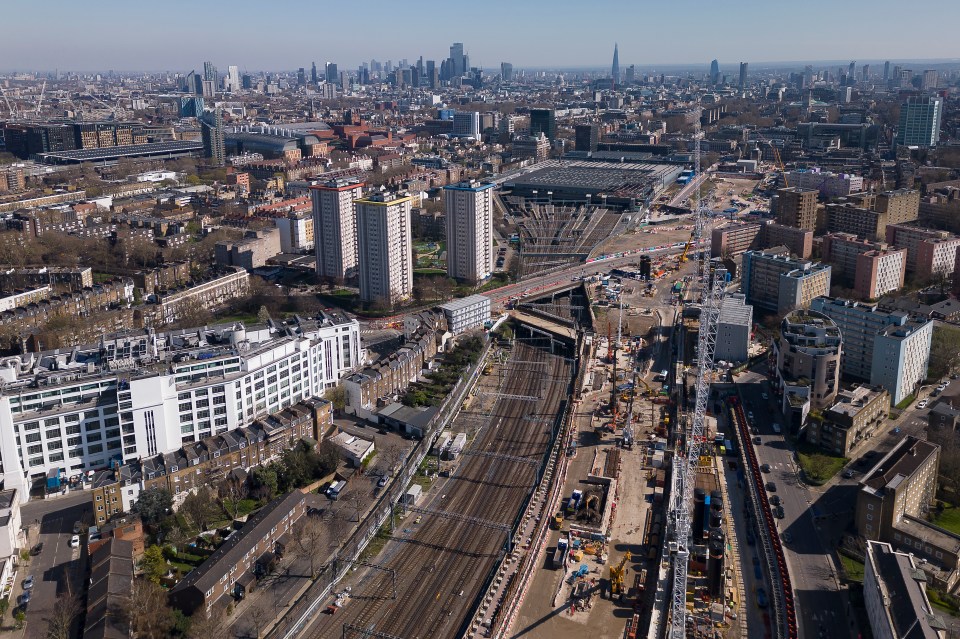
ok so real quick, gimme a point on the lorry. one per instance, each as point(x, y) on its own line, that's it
point(560, 554)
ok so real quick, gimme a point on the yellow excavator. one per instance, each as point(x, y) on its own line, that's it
point(617, 576)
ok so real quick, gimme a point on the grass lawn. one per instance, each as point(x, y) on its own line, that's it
point(906, 401)
point(817, 466)
point(429, 271)
point(949, 519)
point(852, 567)
point(941, 604)
point(249, 318)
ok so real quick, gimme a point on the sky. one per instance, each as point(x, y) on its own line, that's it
point(178, 35)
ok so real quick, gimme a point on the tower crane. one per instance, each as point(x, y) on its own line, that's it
point(687, 448)
point(13, 112)
point(43, 90)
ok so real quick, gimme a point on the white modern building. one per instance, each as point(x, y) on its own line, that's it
point(827, 183)
point(920, 118)
point(733, 329)
point(466, 313)
point(384, 248)
point(140, 394)
point(335, 227)
point(887, 348)
point(901, 355)
point(469, 213)
point(466, 124)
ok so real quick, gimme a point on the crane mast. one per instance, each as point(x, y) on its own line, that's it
point(686, 461)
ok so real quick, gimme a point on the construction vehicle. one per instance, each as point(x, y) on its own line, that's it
point(617, 576)
point(557, 521)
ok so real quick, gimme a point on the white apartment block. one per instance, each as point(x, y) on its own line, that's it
point(141, 394)
point(879, 272)
point(296, 232)
point(901, 354)
point(383, 248)
point(335, 227)
point(466, 124)
point(469, 215)
point(466, 313)
point(829, 184)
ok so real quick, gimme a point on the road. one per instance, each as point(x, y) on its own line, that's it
point(809, 552)
point(59, 567)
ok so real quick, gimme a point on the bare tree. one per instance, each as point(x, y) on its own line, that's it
point(231, 491)
point(62, 616)
point(259, 616)
point(148, 613)
point(338, 523)
point(308, 536)
point(391, 455)
point(202, 627)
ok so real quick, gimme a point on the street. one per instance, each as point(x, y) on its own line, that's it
point(812, 539)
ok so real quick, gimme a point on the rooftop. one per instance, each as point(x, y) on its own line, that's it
point(902, 589)
point(851, 402)
point(464, 302)
point(735, 310)
point(130, 150)
point(899, 464)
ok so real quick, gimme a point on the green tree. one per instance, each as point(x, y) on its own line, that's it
point(337, 396)
point(154, 504)
point(19, 616)
point(329, 458)
point(153, 565)
point(264, 483)
point(198, 508)
point(944, 352)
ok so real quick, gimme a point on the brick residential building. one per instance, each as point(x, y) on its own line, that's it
point(855, 416)
point(928, 251)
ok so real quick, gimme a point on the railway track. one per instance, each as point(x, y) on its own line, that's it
point(442, 563)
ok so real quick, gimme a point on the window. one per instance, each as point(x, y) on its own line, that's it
point(185, 408)
point(203, 402)
point(71, 418)
point(94, 437)
point(52, 434)
point(35, 450)
point(31, 426)
point(896, 536)
point(95, 448)
point(32, 437)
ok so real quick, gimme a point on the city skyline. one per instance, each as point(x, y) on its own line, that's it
point(286, 44)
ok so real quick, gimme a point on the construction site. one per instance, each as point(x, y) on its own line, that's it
point(555, 235)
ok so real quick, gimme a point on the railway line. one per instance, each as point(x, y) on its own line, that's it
point(442, 564)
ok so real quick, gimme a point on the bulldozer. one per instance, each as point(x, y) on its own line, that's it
point(617, 575)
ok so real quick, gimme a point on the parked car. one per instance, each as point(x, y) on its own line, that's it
point(922, 403)
point(25, 598)
point(36, 550)
point(75, 541)
point(757, 441)
point(847, 474)
point(787, 537)
point(775, 500)
point(382, 481)
point(764, 396)
point(761, 598)
point(28, 583)
point(77, 527)
point(778, 512)
point(772, 487)
point(765, 468)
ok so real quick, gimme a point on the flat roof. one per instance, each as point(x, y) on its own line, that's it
point(735, 310)
point(130, 150)
point(598, 177)
point(903, 588)
point(464, 302)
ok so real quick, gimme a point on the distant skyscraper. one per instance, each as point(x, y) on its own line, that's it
point(851, 73)
point(335, 227)
point(886, 71)
point(313, 72)
point(928, 80)
point(506, 71)
point(383, 248)
point(616, 65)
point(458, 63)
point(631, 75)
point(233, 78)
point(742, 80)
point(191, 107)
point(865, 72)
point(714, 72)
point(301, 77)
point(331, 72)
point(210, 72)
point(469, 211)
point(920, 118)
point(246, 81)
point(543, 121)
point(211, 131)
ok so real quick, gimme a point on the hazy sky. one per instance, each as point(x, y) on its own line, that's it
point(179, 35)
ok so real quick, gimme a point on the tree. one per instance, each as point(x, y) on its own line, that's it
point(308, 537)
point(198, 507)
point(328, 458)
point(263, 315)
point(153, 565)
point(62, 616)
point(154, 504)
point(944, 352)
point(149, 615)
point(264, 483)
point(818, 465)
point(231, 491)
point(337, 396)
point(259, 617)
point(390, 457)
point(202, 627)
